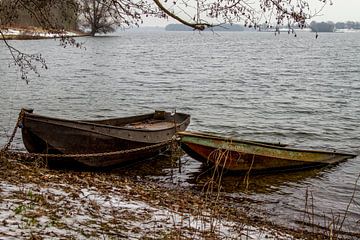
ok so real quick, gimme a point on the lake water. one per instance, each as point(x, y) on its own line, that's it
point(301, 91)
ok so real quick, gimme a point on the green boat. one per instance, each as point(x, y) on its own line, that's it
point(243, 155)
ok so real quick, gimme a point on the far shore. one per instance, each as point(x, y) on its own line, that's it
point(31, 33)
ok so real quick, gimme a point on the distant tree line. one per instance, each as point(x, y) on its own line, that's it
point(331, 26)
point(92, 16)
point(107, 15)
point(102, 16)
point(64, 12)
point(224, 27)
point(347, 25)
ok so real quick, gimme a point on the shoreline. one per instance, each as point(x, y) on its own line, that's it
point(36, 201)
point(33, 33)
point(39, 202)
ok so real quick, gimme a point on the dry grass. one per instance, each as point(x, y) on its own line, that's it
point(69, 204)
point(73, 195)
point(331, 228)
point(95, 205)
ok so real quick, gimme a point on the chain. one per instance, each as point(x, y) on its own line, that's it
point(86, 155)
point(5, 149)
point(11, 139)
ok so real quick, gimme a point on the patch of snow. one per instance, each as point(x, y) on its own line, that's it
point(63, 211)
point(11, 32)
point(31, 33)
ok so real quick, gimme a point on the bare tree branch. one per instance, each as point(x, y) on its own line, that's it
point(198, 26)
point(25, 62)
point(102, 16)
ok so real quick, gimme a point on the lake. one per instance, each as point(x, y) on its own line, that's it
point(301, 91)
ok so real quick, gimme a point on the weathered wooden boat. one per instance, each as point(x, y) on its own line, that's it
point(100, 143)
point(243, 155)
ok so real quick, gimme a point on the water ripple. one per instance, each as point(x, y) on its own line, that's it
point(303, 92)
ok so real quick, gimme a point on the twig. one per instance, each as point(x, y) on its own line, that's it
point(25, 62)
point(348, 206)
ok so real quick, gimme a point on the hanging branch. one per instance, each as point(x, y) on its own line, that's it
point(248, 11)
point(53, 16)
point(25, 62)
point(197, 26)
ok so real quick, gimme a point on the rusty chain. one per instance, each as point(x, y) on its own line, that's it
point(88, 155)
point(6, 147)
point(11, 139)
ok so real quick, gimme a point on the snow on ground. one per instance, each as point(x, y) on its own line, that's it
point(12, 32)
point(64, 211)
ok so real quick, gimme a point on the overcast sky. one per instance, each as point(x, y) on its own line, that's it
point(340, 11)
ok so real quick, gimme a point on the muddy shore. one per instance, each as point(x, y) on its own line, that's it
point(37, 202)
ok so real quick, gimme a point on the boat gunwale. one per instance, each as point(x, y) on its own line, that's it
point(236, 140)
point(205, 160)
point(42, 118)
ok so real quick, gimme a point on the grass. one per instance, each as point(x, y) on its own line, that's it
point(331, 228)
point(70, 204)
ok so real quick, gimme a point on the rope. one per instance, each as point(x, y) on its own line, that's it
point(6, 150)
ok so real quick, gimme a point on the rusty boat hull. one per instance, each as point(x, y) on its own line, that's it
point(100, 143)
point(244, 156)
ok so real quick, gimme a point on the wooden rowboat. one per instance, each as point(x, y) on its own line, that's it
point(243, 155)
point(100, 143)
